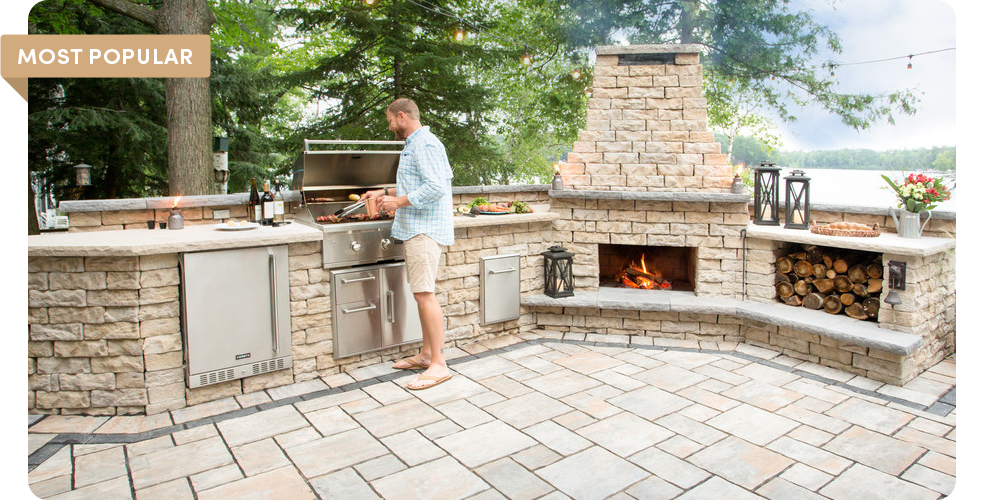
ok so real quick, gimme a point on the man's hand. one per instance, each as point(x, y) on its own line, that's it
point(376, 193)
point(391, 203)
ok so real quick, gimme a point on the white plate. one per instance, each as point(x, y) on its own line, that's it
point(227, 227)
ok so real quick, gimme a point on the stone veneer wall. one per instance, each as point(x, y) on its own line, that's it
point(646, 127)
point(104, 333)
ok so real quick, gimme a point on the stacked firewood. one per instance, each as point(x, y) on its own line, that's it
point(835, 280)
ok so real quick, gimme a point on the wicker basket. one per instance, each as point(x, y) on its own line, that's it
point(827, 230)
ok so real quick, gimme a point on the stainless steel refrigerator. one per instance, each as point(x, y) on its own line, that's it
point(235, 313)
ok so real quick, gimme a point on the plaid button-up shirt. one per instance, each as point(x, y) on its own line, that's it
point(424, 176)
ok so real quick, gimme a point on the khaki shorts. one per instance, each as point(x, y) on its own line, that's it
point(423, 255)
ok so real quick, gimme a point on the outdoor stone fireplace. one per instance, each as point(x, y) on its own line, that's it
point(647, 173)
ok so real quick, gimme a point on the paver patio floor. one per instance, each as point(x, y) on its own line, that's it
point(547, 416)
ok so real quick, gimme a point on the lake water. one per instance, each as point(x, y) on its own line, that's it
point(855, 187)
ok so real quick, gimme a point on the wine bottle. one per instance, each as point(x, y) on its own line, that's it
point(267, 200)
point(253, 209)
point(278, 204)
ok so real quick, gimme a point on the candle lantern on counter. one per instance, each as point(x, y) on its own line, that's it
point(797, 200)
point(766, 194)
point(175, 220)
point(558, 181)
point(558, 272)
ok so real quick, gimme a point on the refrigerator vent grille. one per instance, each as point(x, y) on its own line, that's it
point(217, 376)
point(268, 366)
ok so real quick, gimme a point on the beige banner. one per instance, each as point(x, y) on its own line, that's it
point(102, 56)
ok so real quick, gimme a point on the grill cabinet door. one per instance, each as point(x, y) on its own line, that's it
point(400, 320)
point(355, 310)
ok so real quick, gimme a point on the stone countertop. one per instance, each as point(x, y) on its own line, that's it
point(203, 237)
point(192, 238)
point(889, 243)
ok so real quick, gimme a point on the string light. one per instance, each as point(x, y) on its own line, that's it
point(910, 62)
point(831, 69)
point(526, 55)
point(909, 56)
point(576, 75)
point(460, 35)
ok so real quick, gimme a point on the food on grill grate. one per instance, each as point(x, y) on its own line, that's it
point(334, 219)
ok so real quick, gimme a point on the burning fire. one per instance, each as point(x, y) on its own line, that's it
point(637, 276)
point(176, 200)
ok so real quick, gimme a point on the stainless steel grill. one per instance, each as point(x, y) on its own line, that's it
point(326, 178)
point(372, 304)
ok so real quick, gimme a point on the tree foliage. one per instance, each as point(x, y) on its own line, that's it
point(116, 125)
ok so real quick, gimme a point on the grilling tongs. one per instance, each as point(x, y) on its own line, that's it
point(351, 208)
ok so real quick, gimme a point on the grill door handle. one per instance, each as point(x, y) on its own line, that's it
point(274, 317)
point(509, 270)
point(346, 281)
point(389, 306)
point(359, 309)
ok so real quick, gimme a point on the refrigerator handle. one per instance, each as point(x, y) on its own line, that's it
point(272, 262)
point(389, 306)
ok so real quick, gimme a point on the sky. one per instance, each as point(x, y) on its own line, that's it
point(873, 30)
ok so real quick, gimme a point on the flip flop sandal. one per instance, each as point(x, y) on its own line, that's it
point(437, 380)
point(412, 364)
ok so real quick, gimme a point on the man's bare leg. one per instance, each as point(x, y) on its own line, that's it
point(432, 324)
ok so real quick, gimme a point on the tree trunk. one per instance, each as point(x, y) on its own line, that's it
point(189, 105)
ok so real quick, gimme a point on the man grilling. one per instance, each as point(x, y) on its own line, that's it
point(423, 221)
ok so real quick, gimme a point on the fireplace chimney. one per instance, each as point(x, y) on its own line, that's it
point(646, 127)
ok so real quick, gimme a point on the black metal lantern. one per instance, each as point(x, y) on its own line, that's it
point(797, 200)
point(766, 194)
point(558, 272)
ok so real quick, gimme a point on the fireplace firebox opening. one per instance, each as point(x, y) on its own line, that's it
point(647, 267)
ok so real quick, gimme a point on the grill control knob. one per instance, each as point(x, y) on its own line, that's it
point(385, 243)
point(356, 246)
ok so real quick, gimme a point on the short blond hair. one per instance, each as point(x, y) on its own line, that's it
point(407, 106)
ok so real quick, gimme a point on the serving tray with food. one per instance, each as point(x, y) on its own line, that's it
point(845, 228)
point(481, 206)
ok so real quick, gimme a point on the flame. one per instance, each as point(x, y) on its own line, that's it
point(739, 168)
point(556, 167)
point(176, 200)
point(643, 261)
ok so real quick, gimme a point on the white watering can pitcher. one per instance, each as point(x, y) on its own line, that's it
point(909, 226)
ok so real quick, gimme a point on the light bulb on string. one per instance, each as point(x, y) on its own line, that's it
point(576, 74)
point(910, 62)
point(460, 34)
point(831, 70)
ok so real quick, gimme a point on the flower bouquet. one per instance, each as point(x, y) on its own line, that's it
point(919, 193)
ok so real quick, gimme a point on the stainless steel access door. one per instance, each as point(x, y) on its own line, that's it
point(499, 278)
point(235, 313)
